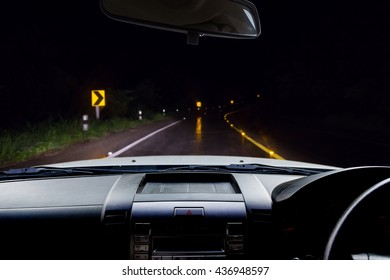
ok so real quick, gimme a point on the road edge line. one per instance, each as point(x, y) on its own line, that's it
point(271, 153)
point(124, 149)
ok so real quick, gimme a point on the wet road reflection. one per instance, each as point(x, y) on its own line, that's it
point(198, 130)
point(202, 135)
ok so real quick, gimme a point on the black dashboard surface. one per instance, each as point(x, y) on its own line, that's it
point(95, 217)
point(183, 215)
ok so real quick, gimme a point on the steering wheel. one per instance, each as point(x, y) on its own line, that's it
point(347, 213)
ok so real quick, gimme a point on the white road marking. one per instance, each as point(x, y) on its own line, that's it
point(117, 153)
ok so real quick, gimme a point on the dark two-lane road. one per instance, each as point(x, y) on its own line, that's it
point(195, 136)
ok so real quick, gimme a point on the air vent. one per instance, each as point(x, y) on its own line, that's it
point(261, 216)
point(115, 217)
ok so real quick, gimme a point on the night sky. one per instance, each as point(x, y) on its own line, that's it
point(313, 57)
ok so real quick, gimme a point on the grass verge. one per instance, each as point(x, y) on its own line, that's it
point(37, 139)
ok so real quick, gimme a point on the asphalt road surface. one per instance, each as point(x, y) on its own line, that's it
point(195, 136)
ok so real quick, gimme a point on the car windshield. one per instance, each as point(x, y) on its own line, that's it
point(313, 87)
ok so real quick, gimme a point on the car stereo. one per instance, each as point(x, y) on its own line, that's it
point(188, 230)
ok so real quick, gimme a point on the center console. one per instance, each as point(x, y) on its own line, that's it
point(186, 215)
point(177, 219)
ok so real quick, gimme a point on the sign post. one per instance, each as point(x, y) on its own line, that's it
point(97, 110)
point(98, 98)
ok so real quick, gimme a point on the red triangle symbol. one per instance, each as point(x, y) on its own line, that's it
point(189, 212)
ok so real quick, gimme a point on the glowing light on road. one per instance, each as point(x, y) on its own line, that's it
point(271, 153)
point(198, 130)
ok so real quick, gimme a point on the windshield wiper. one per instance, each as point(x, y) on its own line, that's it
point(48, 171)
point(278, 169)
point(250, 168)
point(35, 172)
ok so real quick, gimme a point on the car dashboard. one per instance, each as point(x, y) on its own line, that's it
point(185, 215)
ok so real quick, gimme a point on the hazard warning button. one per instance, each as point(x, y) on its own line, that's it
point(193, 211)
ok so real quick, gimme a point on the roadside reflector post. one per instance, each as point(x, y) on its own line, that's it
point(85, 123)
point(85, 126)
point(140, 115)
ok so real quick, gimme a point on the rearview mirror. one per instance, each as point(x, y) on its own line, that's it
point(196, 18)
